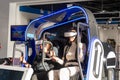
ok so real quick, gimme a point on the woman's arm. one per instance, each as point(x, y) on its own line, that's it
point(57, 59)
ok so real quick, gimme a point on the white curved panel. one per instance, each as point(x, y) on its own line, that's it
point(95, 63)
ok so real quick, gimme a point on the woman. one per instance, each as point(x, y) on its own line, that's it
point(69, 60)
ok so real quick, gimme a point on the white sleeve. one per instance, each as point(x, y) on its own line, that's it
point(82, 49)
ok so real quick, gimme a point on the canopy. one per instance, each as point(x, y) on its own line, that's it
point(70, 14)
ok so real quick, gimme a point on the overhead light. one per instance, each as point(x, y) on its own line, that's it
point(118, 27)
point(69, 5)
point(99, 27)
point(103, 11)
point(110, 20)
point(105, 27)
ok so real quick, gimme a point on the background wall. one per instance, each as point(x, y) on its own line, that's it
point(4, 17)
point(110, 32)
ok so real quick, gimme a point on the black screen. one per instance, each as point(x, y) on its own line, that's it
point(6, 74)
point(111, 62)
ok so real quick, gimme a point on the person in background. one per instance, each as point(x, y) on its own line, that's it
point(6, 61)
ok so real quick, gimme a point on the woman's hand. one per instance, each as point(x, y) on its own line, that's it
point(52, 53)
point(54, 58)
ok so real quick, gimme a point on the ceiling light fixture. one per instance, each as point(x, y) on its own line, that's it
point(118, 27)
point(110, 20)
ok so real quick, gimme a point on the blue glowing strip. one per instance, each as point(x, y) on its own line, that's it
point(89, 37)
point(57, 25)
point(33, 10)
point(83, 10)
point(26, 53)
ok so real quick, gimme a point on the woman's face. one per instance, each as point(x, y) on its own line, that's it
point(72, 38)
point(47, 48)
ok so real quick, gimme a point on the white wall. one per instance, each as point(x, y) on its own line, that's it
point(4, 24)
point(18, 18)
point(4, 17)
point(111, 33)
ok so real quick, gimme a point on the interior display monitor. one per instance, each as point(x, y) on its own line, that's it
point(15, 73)
point(30, 35)
point(18, 32)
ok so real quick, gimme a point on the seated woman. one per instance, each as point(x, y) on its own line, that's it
point(69, 60)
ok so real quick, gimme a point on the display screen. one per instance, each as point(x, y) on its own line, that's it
point(18, 32)
point(29, 35)
point(6, 74)
point(111, 62)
